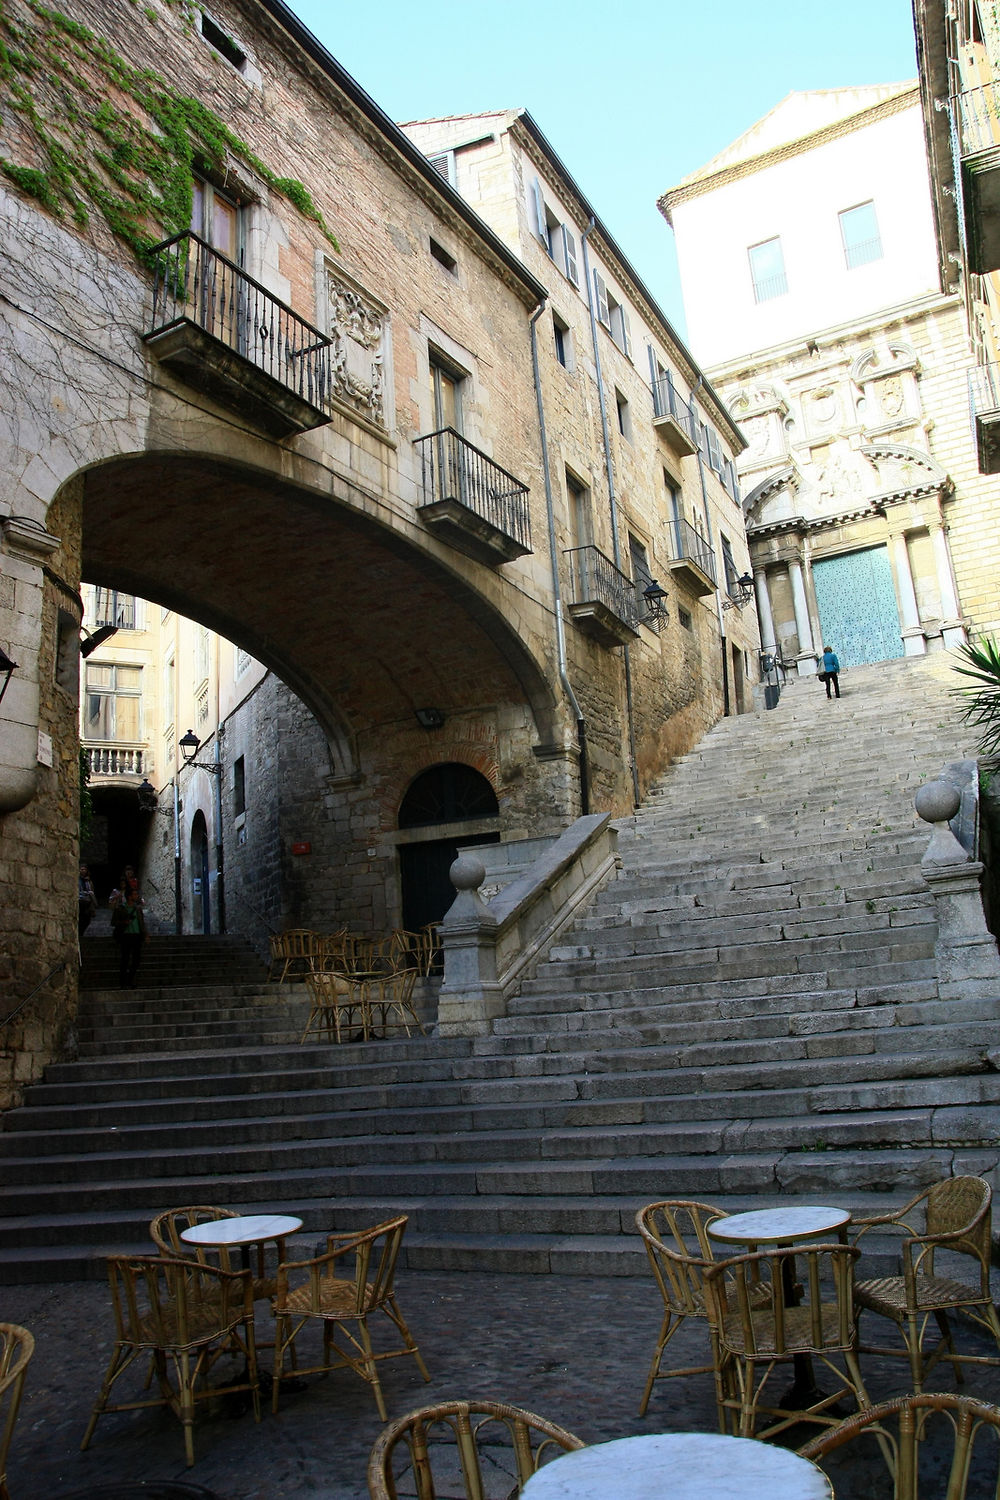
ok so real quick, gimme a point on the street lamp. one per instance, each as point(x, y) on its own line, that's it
point(655, 598)
point(740, 593)
point(189, 745)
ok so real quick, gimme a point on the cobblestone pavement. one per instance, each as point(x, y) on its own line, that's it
point(574, 1349)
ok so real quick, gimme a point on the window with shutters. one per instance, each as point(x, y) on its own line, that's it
point(611, 313)
point(563, 342)
point(444, 164)
point(113, 702)
point(559, 240)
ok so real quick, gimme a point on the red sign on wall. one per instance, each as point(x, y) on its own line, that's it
point(304, 848)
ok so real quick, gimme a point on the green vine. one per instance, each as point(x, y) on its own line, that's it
point(67, 85)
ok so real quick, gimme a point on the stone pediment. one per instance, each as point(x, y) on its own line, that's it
point(903, 472)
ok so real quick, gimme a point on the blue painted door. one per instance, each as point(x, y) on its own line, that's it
point(857, 606)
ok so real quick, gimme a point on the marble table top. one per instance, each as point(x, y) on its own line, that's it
point(771, 1226)
point(679, 1466)
point(244, 1230)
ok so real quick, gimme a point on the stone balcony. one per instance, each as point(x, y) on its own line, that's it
point(672, 417)
point(692, 561)
point(976, 121)
point(472, 503)
point(984, 401)
point(603, 600)
point(222, 332)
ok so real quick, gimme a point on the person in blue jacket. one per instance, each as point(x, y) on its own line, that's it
point(831, 667)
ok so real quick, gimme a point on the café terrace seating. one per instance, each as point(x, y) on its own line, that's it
point(17, 1346)
point(450, 1448)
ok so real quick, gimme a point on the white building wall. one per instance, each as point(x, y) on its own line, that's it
point(798, 198)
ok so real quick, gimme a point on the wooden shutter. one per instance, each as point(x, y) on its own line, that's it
point(569, 251)
point(541, 227)
point(601, 298)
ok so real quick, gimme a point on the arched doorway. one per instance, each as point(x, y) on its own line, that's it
point(201, 901)
point(448, 794)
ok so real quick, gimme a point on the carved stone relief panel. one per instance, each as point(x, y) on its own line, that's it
point(357, 325)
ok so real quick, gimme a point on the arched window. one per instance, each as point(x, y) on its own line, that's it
point(448, 793)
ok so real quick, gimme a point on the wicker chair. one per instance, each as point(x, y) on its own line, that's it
point(390, 1001)
point(165, 1232)
point(292, 951)
point(17, 1346)
point(899, 1430)
point(343, 1304)
point(185, 1312)
point(797, 1323)
point(515, 1442)
point(957, 1220)
point(340, 1008)
point(674, 1232)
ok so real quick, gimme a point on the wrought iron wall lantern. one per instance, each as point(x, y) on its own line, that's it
point(740, 593)
point(189, 744)
point(655, 598)
point(7, 668)
point(146, 794)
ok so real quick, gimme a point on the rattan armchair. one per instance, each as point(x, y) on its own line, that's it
point(912, 1436)
point(343, 1304)
point(17, 1346)
point(165, 1232)
point(340, 1009)
point(390, 1001)
point(674, 1233)
point(460, 1434)
point(292, 952)
point(956, 1214)
point(184, 1313)
point(808, 1314)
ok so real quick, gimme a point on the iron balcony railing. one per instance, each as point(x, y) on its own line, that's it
point(863, 252)
point(668, 402)
point(688, 545)
point(596, 580)
point(112, 608)
point(115, 760)
point(984, 390)
point(454, 469)
point(976, 113)
point(766, 287)
point(196, 284)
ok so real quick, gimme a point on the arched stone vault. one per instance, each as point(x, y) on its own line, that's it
point(360, 624)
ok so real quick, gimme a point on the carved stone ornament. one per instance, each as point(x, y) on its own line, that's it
point(823, 406)
point(356, 324)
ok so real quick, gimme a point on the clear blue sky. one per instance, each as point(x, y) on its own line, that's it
point(632, 97)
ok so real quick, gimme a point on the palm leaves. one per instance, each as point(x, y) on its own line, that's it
point(982, 700)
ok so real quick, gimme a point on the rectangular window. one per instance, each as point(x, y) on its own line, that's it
point(624, 416)
point(859, 234)
point(446, 396)
point(641, 576)
point(558, 239)
point(444, 164)
point(113, 708)
point(767, 268)
point(684, 617)
point(239, 786)
point(244, 661)
point(202, 653)
point(581, 517)
point(440, 254)
point(732, 577)
point(217, 219)
point(613, 315)
point(113, 608)
point(563, 342)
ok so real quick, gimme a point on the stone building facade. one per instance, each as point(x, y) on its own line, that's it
point(845, 360)
point(266, 368)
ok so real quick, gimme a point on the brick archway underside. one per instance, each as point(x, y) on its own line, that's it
point(358, 622)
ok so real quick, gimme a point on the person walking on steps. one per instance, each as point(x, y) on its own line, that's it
point(831, 671)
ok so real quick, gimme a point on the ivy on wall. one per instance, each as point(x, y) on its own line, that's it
point(110, 138)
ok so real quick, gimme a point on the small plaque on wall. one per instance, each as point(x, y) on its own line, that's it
point(302, 848)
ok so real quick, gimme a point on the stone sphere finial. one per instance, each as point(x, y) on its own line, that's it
point(937, 802)
point(467, 873)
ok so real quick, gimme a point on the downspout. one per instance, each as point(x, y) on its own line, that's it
point(581, 724)
point(178, 903)
point(704, 505)
point(612, 501)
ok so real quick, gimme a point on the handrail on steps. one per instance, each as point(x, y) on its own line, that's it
point(39, 986)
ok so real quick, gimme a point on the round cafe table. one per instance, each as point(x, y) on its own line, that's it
point(779, 1226)
point(243, 1231)
point(679, 1466)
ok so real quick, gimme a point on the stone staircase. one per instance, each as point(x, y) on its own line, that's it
point(750, 1013)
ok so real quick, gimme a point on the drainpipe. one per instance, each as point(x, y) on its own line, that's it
point(612, 501)
point(581, 723)
point(178, 903)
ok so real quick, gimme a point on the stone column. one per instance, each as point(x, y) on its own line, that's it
point(968, 964)
point(914, 641)
point(807, 651)
point(470, 994)
point(952, 629)
point(767, 636)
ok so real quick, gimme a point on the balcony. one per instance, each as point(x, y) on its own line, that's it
point(692, 561)
point(984, 401)
point(976, 116)
point(672, 417)
point(112, 608)
point(115, 760)
point(223, 333)
point(604, 602)
point(470, 502)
